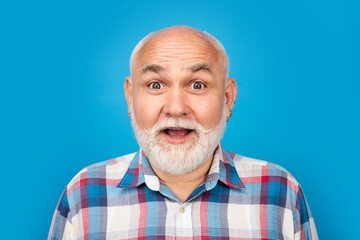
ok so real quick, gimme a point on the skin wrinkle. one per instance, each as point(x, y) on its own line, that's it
point(180, 55)
point(200, 69)
point(180, 50)
point(177, 55)
point(162, 66)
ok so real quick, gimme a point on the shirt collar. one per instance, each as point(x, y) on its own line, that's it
point(134, 175)
point(222, 168)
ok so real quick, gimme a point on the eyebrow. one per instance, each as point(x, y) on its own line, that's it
point(195, 68)
point(152, 68)
point(200, 66)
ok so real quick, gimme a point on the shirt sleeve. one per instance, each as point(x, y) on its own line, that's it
point(61, 226)
point(304, 225)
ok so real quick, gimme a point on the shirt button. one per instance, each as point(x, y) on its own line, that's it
point(181, 209)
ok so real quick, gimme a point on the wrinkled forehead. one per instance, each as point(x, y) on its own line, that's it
point(178, 49)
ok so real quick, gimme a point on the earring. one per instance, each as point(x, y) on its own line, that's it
point(130, 116)
point(230, 115)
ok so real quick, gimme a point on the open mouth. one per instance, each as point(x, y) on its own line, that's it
point(177, 132)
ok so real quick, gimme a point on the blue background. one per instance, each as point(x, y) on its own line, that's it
point(63, 64)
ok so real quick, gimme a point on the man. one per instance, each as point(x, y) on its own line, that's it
point(182, 183)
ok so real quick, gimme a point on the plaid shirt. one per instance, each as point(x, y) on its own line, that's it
point(241, 198)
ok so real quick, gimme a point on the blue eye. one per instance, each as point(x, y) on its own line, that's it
point(197, 85)
point(155, 85)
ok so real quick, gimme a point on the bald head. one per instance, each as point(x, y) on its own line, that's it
point(183, 36)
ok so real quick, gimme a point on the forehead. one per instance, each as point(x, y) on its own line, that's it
point(177, 50)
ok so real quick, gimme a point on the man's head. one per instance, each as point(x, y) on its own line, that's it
point(179, 97)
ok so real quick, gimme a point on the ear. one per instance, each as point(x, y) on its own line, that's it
point(128, 92)
point(230, 94)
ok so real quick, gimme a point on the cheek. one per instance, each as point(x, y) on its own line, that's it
point(146, 111)
point(209, 111)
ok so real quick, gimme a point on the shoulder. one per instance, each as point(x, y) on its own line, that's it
point(271, 184)
point(254, 171)
point(108, 172)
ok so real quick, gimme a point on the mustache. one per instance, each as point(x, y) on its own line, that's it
point(177, 123)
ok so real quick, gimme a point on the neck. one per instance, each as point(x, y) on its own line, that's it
point(183, 185)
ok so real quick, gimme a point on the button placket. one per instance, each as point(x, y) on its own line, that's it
point(184, 220)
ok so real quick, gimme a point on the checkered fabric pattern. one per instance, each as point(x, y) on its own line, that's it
point(241, 198)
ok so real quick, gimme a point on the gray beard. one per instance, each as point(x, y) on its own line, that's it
point(179, 159)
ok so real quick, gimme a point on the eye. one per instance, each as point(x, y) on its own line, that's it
point(155, 85)
point(197, 85)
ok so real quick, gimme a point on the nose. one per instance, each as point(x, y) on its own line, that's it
point(176, 104)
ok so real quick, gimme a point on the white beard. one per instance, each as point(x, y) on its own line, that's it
point(178, 159)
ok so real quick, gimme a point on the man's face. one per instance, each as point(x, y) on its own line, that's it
point(174, 77)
